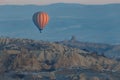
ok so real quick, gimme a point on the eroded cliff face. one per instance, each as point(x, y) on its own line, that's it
point(23, 55)
point(33, 55)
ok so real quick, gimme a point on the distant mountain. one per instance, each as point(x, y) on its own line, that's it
point(90, 23)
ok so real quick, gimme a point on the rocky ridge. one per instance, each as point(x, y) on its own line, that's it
point(24, 55)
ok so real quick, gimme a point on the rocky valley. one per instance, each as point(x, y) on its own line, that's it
point(25, 59)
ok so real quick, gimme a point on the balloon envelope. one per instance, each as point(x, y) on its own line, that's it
point(40, 19)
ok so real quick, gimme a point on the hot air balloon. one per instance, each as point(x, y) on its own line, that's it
point(40, 19)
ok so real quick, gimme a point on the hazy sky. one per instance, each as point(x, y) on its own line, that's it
point(41, 2)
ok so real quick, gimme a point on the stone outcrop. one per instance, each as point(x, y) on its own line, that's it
point(23, 55)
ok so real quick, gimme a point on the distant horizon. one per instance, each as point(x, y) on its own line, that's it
point(44, 2)
point(54, 3)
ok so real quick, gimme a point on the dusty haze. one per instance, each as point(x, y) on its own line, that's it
point(42, 2)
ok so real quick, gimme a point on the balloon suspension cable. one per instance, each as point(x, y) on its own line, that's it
point(40, 30)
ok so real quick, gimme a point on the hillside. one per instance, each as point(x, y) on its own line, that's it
point(93, 23)
point(108, 50)
point(28, 59)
